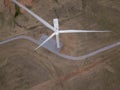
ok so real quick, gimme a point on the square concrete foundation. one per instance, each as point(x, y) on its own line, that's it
point(51, 45)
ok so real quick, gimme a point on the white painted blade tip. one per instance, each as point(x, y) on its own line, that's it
point(37, 47)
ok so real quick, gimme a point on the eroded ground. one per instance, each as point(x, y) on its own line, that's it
point(22, 68)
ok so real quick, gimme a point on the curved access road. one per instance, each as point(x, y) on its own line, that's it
point(63, 55)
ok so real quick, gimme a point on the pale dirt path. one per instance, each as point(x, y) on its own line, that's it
point(63, 55)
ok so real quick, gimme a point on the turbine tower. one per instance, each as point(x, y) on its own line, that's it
point(55, 28)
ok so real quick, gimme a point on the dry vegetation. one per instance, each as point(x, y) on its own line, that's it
point(22, 68)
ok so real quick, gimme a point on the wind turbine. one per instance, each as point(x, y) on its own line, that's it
point(54, 28)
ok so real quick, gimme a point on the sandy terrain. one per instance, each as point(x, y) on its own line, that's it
point(22, 68)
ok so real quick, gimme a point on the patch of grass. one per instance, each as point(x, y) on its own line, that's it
point(17, 11)
point(29, 7)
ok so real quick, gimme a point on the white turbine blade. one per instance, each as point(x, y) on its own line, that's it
point(79, 31)
point(35, 15)
point(56, 23)
point(45, 41)
point(58, 41)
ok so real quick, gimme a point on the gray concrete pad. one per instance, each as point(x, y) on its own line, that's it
point(51, 44)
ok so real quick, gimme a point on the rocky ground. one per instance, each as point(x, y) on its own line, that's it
point(22, 68)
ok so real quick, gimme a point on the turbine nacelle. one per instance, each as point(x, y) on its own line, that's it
point(56, 23)
point(56, 27)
